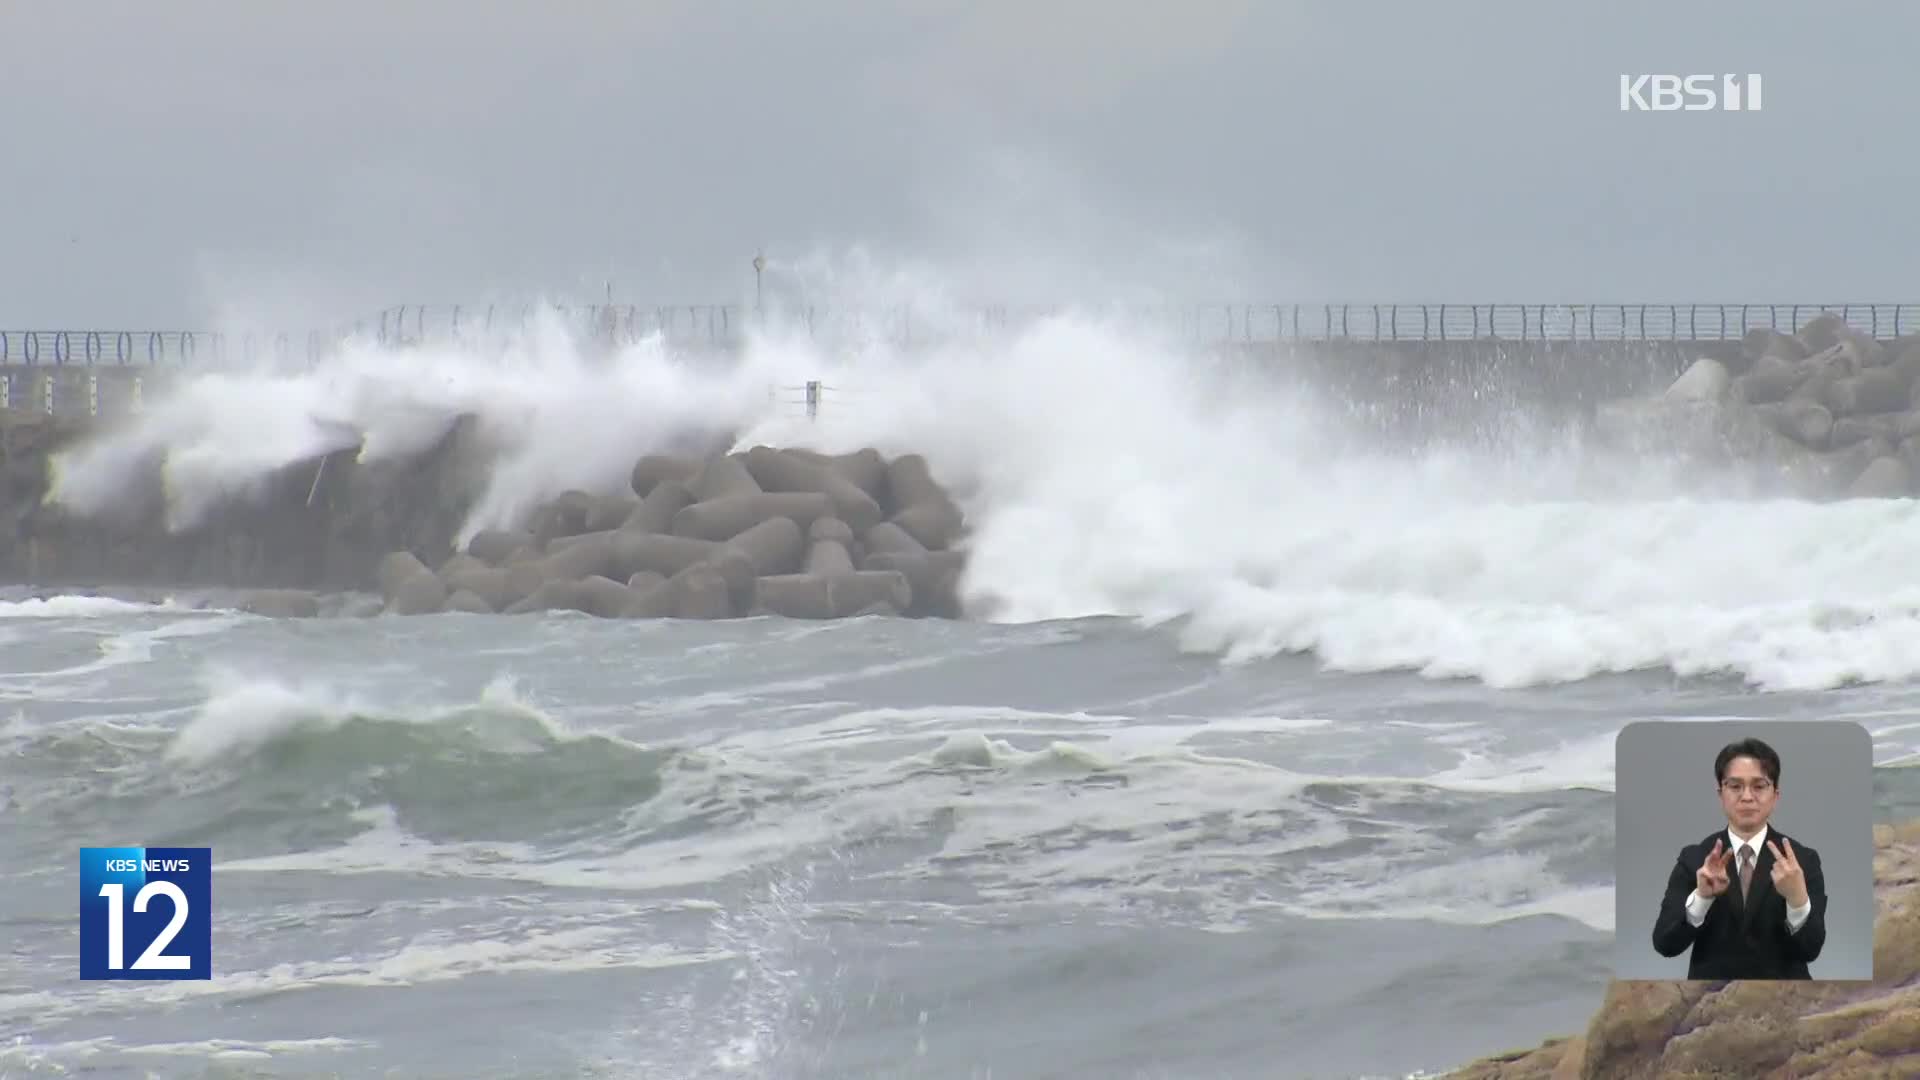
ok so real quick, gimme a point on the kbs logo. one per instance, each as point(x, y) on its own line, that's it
point(1689, 93)
point(151, 905)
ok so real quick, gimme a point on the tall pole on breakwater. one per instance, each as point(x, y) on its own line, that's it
point(759, 264)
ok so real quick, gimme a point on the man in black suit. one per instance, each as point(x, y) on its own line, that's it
point(1749, 901)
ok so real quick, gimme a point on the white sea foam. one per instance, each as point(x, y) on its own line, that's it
point(246, 710)
point(1082, 821)
point(132, 647)
point(34, 1055)
point(560, 416)
point(81, 607)
point(433, 957)
point(1108, 472)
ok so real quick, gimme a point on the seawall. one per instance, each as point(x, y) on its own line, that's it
point(1825, 412)
point(699, 535)
point(1540, 373)
point(318, 524)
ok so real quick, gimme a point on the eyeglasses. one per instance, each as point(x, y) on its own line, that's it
point(1735, 787)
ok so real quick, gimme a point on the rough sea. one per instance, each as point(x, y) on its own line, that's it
point(1284, 753)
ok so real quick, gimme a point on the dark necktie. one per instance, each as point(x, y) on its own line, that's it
point(1746, 871)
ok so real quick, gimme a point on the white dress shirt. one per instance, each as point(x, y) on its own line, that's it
point(1698, 906)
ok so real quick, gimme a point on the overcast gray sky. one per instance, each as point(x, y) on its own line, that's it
point(162, 163)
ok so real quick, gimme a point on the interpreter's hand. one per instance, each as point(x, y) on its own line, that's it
point(1788, 880)
point(1711, 878)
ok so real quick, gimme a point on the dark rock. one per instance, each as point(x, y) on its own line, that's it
point(491, 585)
point(494, 545)
point(610, 511)
point(830, 529)
point(464, 601)
point(775, 546)
point(777, 470)
point(1761, 342)
point(1821, 332)
point(1874, 390)
point(934, 578)
point(1806, 422)
point(650, 471)
point(700, 592)
point(832, 596)
point(565, 516)
point(420, 594)
point(655, 513)
point(888, 537)
point(727, 517)
point(828, 557)
point(281, 603)
point(722, 477)
point(910, 482)
point(1768, 384)
point(935, 523)
point(1883, 478)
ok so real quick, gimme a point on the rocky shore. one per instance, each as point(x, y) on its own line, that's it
point(720, 535)
point(1824, 412)
point(1759, 1030)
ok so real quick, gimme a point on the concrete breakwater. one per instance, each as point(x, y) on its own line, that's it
point(718, 535)
point(764, 531)
point(317, 525)
point(1824, 412)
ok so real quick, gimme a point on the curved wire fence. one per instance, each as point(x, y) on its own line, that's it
point(722, 325)
point(126, 348)
point(1204, 323)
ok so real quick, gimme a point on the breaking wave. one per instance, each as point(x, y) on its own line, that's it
point(1110, 473)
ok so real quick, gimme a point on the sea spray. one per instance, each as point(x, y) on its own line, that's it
point(559, 415)
point(1103, 471)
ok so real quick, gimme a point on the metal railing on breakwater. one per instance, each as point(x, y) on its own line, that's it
point(721, 325)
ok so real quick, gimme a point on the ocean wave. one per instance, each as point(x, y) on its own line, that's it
point(88, 607)
point(1105, 473)
point(265, 764)
point(248, 715)
point(488, 951)
point(1192, 837)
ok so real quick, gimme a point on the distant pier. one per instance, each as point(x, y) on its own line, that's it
point(1585, 349)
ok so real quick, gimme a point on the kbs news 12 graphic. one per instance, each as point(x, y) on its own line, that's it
point(146, 913)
